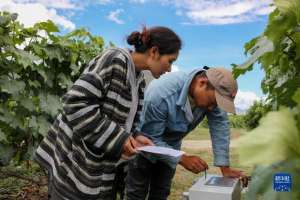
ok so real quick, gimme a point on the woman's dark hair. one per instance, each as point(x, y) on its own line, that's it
point(166, 40)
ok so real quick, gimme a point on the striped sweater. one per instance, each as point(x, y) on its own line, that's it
point(85, 141)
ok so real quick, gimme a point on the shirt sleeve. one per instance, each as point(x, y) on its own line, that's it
point(99, 135)
point(220, 134)
point(153, 124)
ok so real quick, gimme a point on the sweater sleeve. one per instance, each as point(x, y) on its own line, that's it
point(100, 135)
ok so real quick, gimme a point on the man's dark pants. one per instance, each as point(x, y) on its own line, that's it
point(144, 176)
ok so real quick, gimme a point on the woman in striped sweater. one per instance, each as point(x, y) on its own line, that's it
point(99, 116)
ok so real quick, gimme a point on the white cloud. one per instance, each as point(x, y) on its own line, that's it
point(114, 16)
point(105, 2)
point(245, 99)
point(264, 10)
point(217, 12)
point(223, 11)
point(138, 1)
point(214, 12)
point(60, 4)
point(30, 13)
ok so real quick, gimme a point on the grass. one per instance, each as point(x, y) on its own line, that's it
point(200, 133)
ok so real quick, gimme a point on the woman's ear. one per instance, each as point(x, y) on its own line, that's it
point(153, 52)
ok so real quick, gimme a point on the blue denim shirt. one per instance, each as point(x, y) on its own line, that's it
point(167, 117)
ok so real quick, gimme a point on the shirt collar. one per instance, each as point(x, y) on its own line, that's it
point(183, 101)
point(185, 89)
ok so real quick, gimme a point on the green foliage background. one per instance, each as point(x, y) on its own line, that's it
point(255, 113)
point(235, 121)
point(274, 146)
point(37, 66)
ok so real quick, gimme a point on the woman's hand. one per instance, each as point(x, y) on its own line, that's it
point(129, 147)
point(131, 144)
point(143, 141)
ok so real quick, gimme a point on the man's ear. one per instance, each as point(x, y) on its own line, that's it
point(202, 81)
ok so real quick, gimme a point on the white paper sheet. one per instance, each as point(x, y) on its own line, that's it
point(161, 150)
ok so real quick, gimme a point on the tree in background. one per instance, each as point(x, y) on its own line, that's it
point(37, 66)
point(254, 114)
point(274, 146)
point(235, 121)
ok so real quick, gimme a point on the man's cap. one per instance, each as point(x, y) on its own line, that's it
point(225, 87)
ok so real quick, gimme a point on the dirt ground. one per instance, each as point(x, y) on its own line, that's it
point(200, 144)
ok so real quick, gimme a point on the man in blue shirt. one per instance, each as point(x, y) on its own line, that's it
point(173, 106)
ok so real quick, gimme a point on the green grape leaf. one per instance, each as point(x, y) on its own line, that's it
point(34, 83)
point(275, 139)
point(11, 86)
point(296, 38)
point(291, 7)
point(261, 184)
point(26, 102)
point(4, 20)
point(26, 59)
point(249, 46)
point(296, 98)
point(32, 122)
point(37, 67)
point(6, 154)
point(64, 81)
point(48, 26)
point(2, 136)
point(49, 103)
point(262, 46)
point(43, 125)
point(55, 52)
point(278, 26)
point(261, 180)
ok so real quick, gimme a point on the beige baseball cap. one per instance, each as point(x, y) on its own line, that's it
point(225, 87)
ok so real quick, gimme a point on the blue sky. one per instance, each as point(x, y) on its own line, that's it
point(213, 32)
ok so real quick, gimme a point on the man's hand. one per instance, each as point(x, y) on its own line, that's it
point(233, 173)
point(193, 163)
point(129, 147)
point(143, 141)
